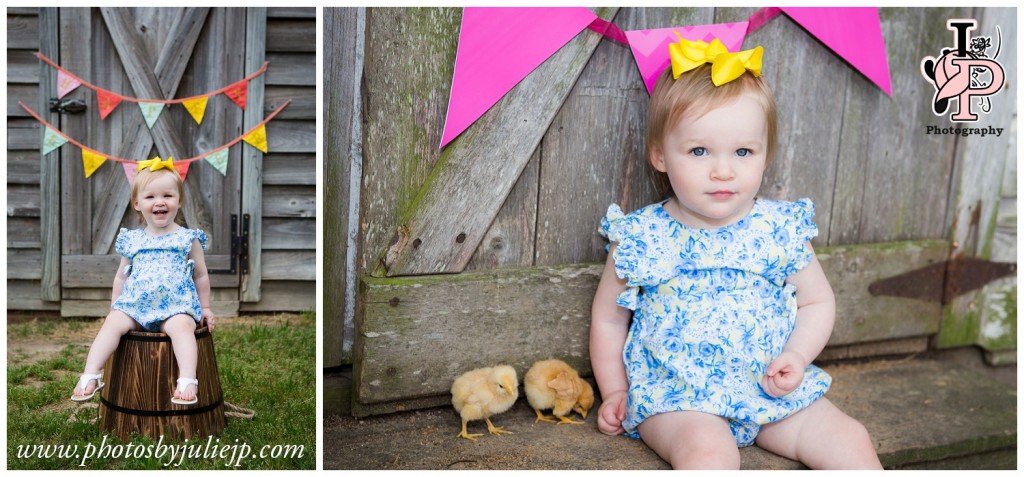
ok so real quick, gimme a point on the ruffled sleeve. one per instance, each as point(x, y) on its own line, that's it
point(624, 231)
point(801, 229)
point(122, 244)
point(198, 234)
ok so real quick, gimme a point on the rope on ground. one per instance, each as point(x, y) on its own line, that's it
point(240, 412)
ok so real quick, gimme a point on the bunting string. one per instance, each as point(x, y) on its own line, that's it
point(227, 89)
point(256, 136)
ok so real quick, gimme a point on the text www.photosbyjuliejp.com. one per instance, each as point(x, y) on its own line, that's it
point(170, 455)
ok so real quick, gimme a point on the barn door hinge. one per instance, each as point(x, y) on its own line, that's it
point(68, 106)
point(942, 282)
point(239, 247)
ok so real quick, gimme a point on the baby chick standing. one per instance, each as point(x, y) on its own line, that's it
point(553, 384)
point(482, 393)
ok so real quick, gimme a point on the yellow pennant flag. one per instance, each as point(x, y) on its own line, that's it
point(91, 161)
point(197, 108)
point(258, 138)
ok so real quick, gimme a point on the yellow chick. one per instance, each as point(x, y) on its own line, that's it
point(482, 393)
point(552, 384)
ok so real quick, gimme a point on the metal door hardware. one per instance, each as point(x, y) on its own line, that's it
point(239, 247)
point(942, 282)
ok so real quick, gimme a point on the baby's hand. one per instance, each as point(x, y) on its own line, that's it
point(784, 374)
point(208, 316)
point(612, 413)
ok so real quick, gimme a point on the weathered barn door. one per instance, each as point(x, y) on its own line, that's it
point(155, 53)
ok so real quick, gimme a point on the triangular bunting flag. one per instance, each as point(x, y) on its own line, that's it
point(151, 111)
point(65, 83)
point(91, 161)
point(650, 47)
point(498, 47)
point(258, 138)
point(854, 33)
point(130, 170)
point(182, 168)
point(107, 102)
point(238, 92)
point(219, 160)
point(52, 140)
point(197, 108)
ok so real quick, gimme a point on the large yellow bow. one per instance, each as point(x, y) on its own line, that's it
point(725, 66)
point(156, 164)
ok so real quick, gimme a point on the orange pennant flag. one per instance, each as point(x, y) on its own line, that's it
point(107, 101)
point(91, 161)
point(238, 92)
point(182, 168)
point(258, 138)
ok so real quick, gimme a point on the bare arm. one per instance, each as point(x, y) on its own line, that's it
point(609, 326)
point(201, 277)
point(816, 311)
point(119, 279)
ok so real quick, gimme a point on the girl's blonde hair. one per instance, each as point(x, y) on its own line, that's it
point(694, 93)
point(146, 176)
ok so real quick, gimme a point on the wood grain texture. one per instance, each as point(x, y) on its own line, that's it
point(291, 12)
point(289, 295)
point(290, 35)
point(289, 169)
point(252, 158)
point(288, 201)
point(24, 295)
point(22, 67)
point(452, 214)
point(23, 232)
point(288, 233)
point(49, 170)
point(25, 93)
point(418, 333)
point(289, 265)
point(23, 167)
point(22, 31)
point(291, 69)
point(302, 105)
point(141, 376)
point(509, 241)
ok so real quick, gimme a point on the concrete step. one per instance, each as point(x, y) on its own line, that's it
point(922, 413)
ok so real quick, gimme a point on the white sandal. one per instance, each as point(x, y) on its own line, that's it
point(182, 386)
point(83, 381)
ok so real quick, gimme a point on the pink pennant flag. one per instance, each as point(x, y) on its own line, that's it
point(853, 33)
point(66, 83)
point(130, 170)
point(650, 47)
point(498, 47)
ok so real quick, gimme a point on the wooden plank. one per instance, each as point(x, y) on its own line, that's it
point(22, 67)
point(24, 265)
point(23, 232)
point(289, 265)
point(891, 181)
point(85, 271)
point(986, 317)
point(293, 296)
point(288, 201)
point(22, 32)
point(291, 136)
point(216, 294)
point(25, 93)
point(509, 242)
point(76, 308)
point(159, 81)
point(281, 234)
point(23, 134)
point(344, 31)
point(289, 169)
point(582, 157)
point(302, 106)
point(23, 200)
point(49, 167)
point(291, 69)
point(22, 10)
point(291, 12)
point(24, 295)
point(252, 159)
point(291, 35)
point(476, 172)
point(23, 167)
point(418, 333)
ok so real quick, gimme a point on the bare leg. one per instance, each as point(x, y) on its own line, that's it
point(181, 329)
point(822, 437)
point(691, 440)
point(116, 325)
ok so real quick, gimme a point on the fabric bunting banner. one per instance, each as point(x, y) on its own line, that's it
point(151, 111)
point(93, 159)
point(498, 47)
point(108, 100)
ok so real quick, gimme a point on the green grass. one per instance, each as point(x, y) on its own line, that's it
point(267, 368)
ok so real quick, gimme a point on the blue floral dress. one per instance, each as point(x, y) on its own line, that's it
point(159, 283)
point(711, 311)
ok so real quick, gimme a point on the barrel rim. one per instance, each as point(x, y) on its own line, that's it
point(149, 336)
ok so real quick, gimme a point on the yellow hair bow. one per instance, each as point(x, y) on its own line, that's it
point(156, 164)
point(725, 66)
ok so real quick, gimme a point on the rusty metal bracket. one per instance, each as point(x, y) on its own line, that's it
point(942, 282)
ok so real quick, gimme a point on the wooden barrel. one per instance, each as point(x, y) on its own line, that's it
point(141, 377)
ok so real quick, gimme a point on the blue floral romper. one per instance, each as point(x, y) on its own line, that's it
point(159, 283)
point(711, 311)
